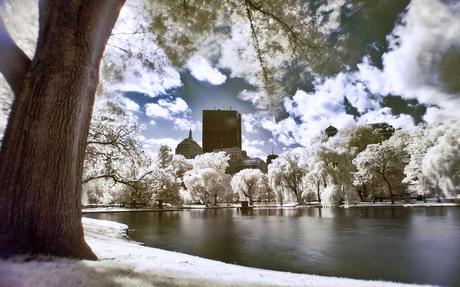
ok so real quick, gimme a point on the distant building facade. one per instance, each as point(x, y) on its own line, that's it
point(384, 129)
point(331, 131)
point(239, 161)
point(271, 158)
point(221, 130)
point(189, 148)
point(254, 163)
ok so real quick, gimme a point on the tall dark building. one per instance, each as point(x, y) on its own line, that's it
point(221, 129)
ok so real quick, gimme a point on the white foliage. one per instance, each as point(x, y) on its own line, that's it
point(433, 165)
point(132, 60)
point(383, 164)
point(249, 184)
point(412, 67)
point(217, 161)
point(441, 163)
point(285, 176)
point(207, 181)
point(330, 197)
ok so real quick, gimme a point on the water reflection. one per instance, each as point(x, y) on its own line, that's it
point(399, 244)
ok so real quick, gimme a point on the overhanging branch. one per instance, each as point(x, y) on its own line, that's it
point(294, 35)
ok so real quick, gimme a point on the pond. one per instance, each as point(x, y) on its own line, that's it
point(412, 245)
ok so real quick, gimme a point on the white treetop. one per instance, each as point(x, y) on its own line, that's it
point(285, 176)
point(383, 164)
point(207, 181)
point(250, 184)
point(441, 163)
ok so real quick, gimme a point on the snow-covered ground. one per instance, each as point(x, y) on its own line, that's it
point(126, 263)
point(400, 204)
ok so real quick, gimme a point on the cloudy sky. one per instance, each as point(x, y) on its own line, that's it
point(403, 67)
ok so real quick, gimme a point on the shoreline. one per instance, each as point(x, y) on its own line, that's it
point(123, 262)
point(290, 206)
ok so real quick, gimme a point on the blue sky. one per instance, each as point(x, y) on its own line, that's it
point(401, 66)
point(394, 72)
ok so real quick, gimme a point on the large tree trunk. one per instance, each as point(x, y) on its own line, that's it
point(298, 197)
point(390, 190)
point(42, 155)
point(318, 191)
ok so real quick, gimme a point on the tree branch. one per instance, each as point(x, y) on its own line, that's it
point(145, 62)
point(290, 30)
point(114, 177)
point(14, 63)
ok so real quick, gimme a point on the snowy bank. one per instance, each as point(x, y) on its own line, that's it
point(417, 204)
point(127, 263)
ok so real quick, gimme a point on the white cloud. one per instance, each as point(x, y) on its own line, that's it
point(156, 111)
point(167, 109)
point(412, 67)
point(282, 130)
point(250, 122)
point(257, 98)
point(182, 124)
point(152, 144)
point(238, 54)
point(202, 70)
point(429, 29)
point(253, 147)
point(247, 141)
point(253, 151)
point(329, 14)
point(129, 104)
point(402, 121)
point(132, 60)
point(176, 107)
point(186, 124)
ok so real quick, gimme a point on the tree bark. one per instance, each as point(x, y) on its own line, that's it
point(298, 196)
point(318, 192)
point(389, 188)
point(42, 155)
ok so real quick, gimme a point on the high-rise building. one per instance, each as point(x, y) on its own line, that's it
point(221, 129)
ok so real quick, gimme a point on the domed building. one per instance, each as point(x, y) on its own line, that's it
point(331, 131)
point(271, 157)
point(189, 148)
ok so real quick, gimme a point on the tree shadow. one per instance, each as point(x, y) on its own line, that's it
point(51, 272)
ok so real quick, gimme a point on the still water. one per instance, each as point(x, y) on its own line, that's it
point(413, 245)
